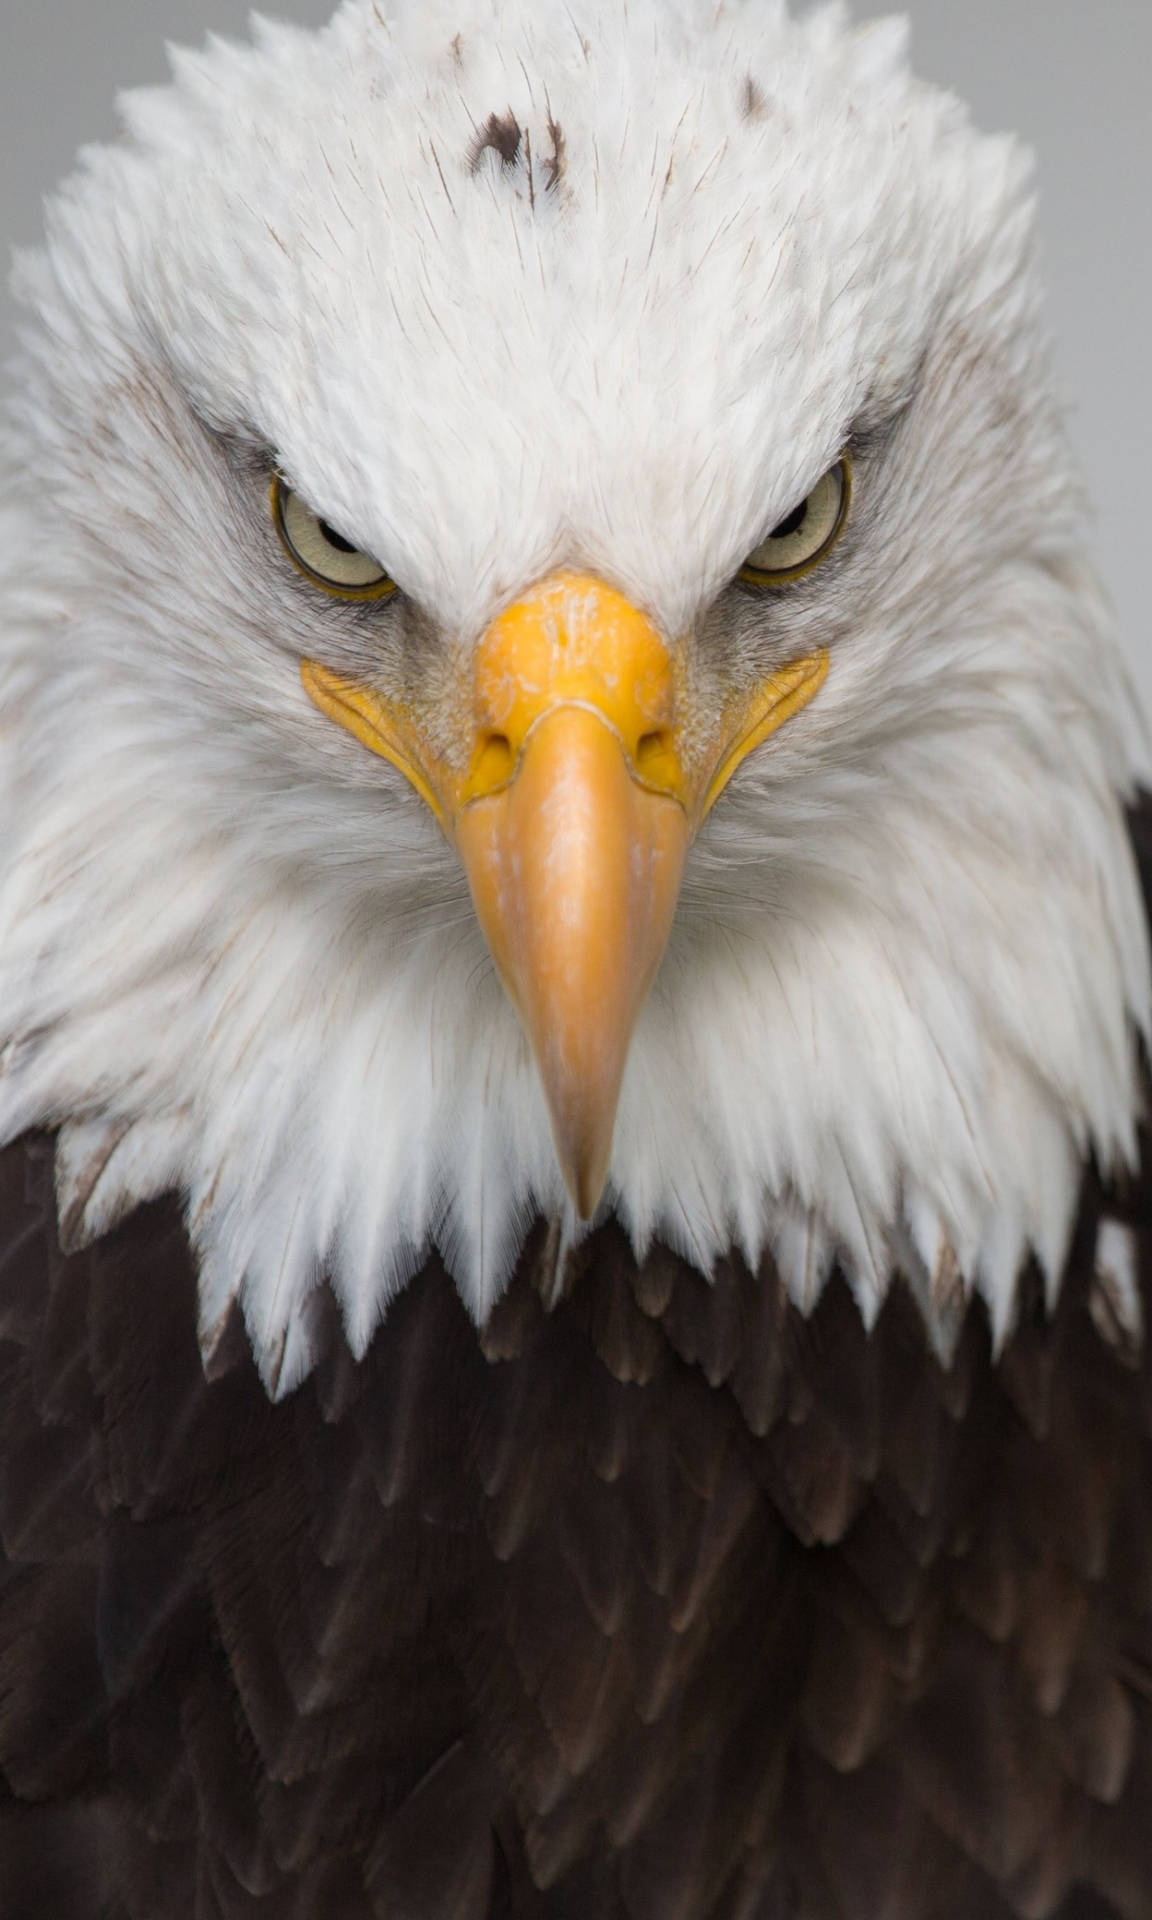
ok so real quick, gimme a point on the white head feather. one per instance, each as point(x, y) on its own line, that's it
point(902, 996)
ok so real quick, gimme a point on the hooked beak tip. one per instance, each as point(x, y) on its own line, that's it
point(585, 1177)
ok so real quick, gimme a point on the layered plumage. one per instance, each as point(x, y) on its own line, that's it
point(498, 293)
point(665, 1603)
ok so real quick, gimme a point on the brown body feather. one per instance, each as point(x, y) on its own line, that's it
point(662, 1604)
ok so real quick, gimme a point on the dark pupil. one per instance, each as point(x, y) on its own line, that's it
point(793, 523)
point(335, 539)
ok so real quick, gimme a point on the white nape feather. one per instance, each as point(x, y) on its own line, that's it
point(902, 999)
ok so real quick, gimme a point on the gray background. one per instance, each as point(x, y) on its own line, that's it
point(1073, 76)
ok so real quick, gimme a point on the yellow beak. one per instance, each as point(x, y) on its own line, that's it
point(572, 814)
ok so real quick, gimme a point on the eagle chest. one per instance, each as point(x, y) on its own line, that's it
point(658, 1600)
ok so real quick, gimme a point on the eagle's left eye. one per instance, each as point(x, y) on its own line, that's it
point(808, 533)
point(321, 554)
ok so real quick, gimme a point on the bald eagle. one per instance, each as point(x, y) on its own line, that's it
point(573, 991)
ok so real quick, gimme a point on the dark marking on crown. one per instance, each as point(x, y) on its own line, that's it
point(554, 172)
point(500, 134)
point(752, 99)
point(456, 49)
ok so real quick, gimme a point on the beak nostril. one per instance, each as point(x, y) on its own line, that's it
point(495, 761)
point(654, 754)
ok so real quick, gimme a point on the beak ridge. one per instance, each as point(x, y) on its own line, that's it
point(574, 870)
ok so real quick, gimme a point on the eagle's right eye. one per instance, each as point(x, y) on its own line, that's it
point(321, 554)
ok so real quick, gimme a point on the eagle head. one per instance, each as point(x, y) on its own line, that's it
point(550, 666)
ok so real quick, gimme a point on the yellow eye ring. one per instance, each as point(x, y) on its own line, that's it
point(820, 519)
point(323, 556)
